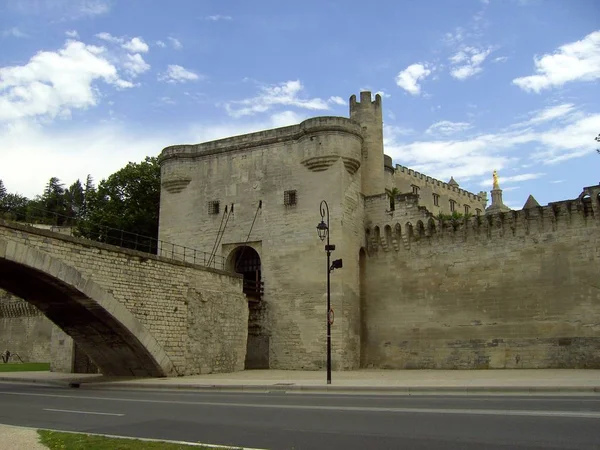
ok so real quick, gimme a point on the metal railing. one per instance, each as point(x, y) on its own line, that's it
point(79, 228)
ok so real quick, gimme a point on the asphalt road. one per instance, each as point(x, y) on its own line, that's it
point(311, 421)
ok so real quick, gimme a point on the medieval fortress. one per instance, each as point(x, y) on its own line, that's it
point(419, 288)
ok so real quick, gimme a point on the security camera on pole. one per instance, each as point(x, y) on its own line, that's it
point(323, 231)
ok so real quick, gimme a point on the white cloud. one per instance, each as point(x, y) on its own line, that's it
point(285, 118)
point(14, 32)
point(548, 114)
point(166, 101)
point(467, 62)
point(283, 94)
point(408, 79)
point(53, 83)
point(72, 34)
point(135, 64)
point(109, 38)
point(217, 17)
point(178, 74)
point(446, 127)
point(500, 59)
point(575, 61)
point(136, 45)
point(93, 7)
point(455, 38)
point(512, 179)
point(161, 44)
point(175, 43)
point(337, 100)
point(44, 150)
point(482, 153)
point(63, 9)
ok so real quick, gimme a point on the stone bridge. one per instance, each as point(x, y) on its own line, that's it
point(132, 313)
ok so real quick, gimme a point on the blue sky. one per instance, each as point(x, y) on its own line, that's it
point(468, 86)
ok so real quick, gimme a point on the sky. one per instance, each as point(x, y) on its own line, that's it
point(468, 86)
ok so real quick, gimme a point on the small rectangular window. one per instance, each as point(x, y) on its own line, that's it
point(452, 205)
point(436, 200)
point(289, 198)
point(467, 208)
point(213, 207)
point(415, 189)
point(478, 211)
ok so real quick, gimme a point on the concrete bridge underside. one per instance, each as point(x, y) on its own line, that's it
point(110, 335)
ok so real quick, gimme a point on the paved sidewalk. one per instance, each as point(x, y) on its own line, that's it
point(565, 381)
point(12, 438)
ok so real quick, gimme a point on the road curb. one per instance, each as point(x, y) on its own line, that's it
point(402, 390)
point(288, 387)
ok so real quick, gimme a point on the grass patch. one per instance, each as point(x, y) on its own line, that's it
point(74, 441)
point(24, 367)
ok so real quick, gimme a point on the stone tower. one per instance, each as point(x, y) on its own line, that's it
point(368, 114)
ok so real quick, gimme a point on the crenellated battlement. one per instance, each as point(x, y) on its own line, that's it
point(365, 103)
point(439, 183)
point(416, 226)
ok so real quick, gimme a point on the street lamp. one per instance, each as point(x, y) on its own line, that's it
point(323, 232)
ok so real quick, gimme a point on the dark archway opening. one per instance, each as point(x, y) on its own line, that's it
point(246, 261)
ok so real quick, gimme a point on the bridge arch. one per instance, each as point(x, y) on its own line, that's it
point(106, 331)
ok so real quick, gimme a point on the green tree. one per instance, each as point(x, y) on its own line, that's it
point(14, 207)
point(74, 201)
point(50, 207)
point(125, 207)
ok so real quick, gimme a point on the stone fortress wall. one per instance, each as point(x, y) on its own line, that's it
point(254, 179)
point(503, 289)
point(512, 289)
point(515, 289)
point(24, 329)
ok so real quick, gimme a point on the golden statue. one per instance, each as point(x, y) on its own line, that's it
point(495, 185)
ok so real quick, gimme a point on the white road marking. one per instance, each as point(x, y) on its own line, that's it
point(494, 412)
point(84, 412)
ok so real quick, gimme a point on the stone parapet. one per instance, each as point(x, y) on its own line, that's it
point(262, 138)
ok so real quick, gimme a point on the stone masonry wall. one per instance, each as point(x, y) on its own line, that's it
point(318, 159)
point(514, 290)
point(167, 297)
point(24, 329)
point(404, 179)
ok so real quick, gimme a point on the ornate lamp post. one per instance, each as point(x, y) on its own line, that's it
point(323, 232)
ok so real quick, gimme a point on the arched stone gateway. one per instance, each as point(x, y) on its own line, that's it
point(245, 260)
point(104, 329)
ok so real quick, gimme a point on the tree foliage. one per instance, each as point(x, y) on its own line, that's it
point(12, 206)
point(125, 207)
point(122, 210)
